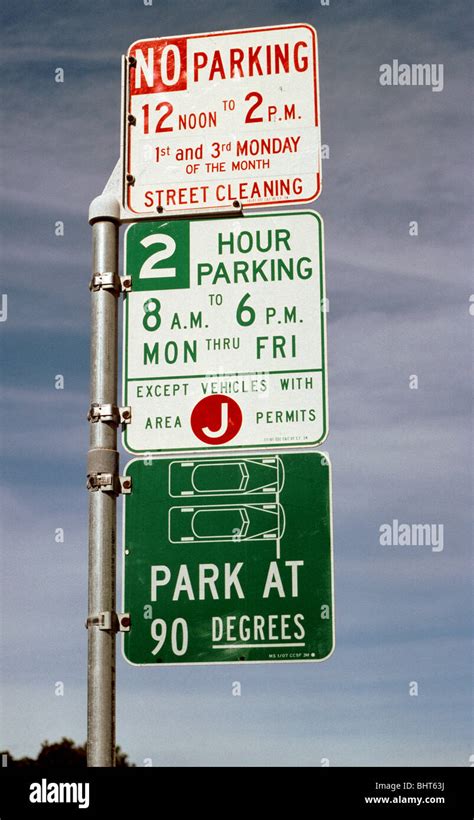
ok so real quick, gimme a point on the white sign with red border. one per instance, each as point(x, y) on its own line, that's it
point(222, 118)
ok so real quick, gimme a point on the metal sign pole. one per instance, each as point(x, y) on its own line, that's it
point(103, 483)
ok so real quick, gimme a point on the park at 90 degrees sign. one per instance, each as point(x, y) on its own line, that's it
point(222, 118)
point(228, 559)
point(224, 342)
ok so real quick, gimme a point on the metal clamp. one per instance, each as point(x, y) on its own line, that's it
point(109, 483)
point(110, 621)
point(109, 413)
point(108, 280)
point(106, 482)
point(125, 283)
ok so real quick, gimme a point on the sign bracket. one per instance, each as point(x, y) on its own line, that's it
point(109, 280)
point(109, 413)
point(109, 483)
point(110, 621)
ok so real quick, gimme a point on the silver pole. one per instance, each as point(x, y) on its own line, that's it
point(103, 460)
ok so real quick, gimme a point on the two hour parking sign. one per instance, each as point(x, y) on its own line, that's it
point(224, 343)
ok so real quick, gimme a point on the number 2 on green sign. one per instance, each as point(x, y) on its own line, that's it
point(147, 270)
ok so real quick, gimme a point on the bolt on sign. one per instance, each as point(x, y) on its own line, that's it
point(224, 333)
point(228, 559)
point(224, 117)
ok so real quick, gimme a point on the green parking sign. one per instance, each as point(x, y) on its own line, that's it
point(228, 559)
point(225, 334)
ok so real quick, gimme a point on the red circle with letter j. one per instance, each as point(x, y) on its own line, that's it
point(216, 419)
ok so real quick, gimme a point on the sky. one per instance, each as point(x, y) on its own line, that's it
point(399, 307)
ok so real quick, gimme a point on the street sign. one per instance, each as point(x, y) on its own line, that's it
point(224, 333)
point(228, 559)
point(222, 118)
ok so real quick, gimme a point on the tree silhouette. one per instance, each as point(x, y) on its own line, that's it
point(63, 754)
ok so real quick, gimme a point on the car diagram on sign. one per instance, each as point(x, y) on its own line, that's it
point(246, 475)
point(255, 519)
